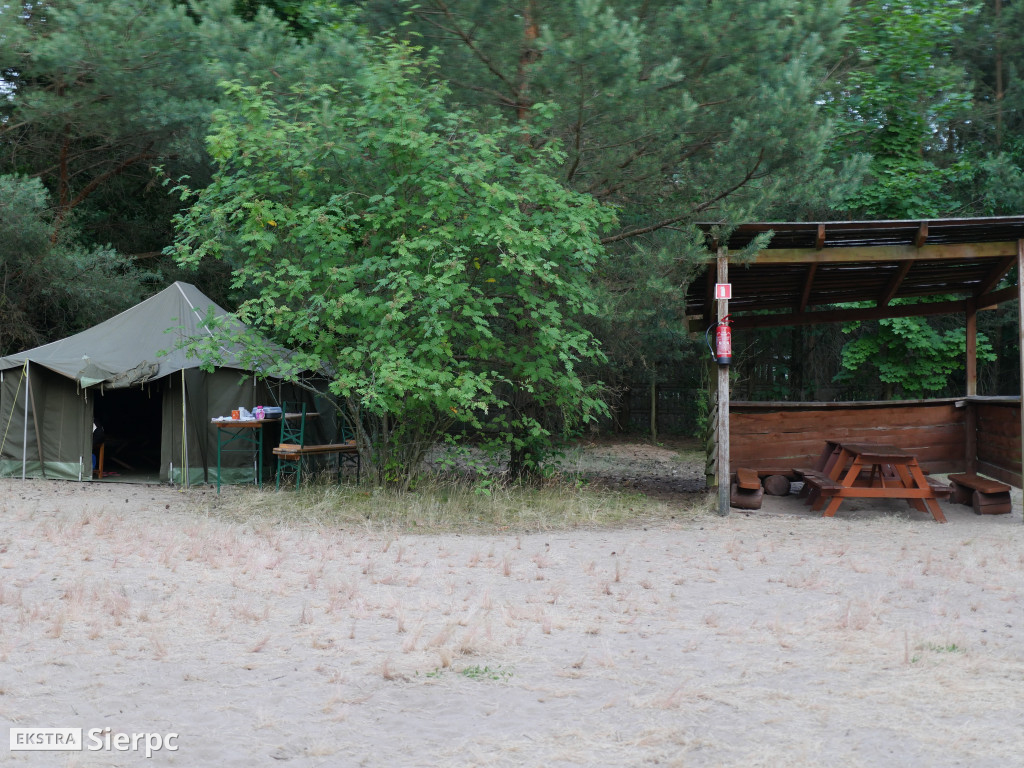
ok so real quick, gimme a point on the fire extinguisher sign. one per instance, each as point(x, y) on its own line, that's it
point(723, 291)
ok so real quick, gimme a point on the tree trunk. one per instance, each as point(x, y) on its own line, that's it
point(528, 54)
point(654, 405)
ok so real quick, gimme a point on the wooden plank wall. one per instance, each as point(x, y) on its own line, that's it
point(787, 435)
point(998, 444)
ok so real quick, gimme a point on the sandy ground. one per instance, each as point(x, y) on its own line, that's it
point(770, 638)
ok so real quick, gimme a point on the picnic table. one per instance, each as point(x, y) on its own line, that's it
point(245, 436)
point(870, 470)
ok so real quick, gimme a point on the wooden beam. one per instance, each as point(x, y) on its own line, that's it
point(993, 278)
point(819, 241)
point(805, 296)
point(922, 235)
point(996, 297)
point(869, 253)
point(849, 315)
point(894, 284)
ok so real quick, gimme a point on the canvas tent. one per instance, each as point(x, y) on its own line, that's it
point(129, 374)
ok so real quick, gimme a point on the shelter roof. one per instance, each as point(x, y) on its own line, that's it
point(809, 267)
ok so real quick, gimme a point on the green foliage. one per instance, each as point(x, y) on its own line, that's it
point(898, 102)
point(476, 672)
point(100, 91)
point(1001, 190)
point(437, 272)
point(51, 289)
point(908, 355)
point(675, 111)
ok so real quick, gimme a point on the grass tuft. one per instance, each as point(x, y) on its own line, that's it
point(448, 506)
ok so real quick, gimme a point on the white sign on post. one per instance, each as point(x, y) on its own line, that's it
point(723, 290)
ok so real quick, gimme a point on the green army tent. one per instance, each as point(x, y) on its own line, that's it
point(129, 375)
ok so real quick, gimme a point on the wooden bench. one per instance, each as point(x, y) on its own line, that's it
point(746, 491)
point(988, 497)
point(347, 452)
point(942, 490)
point(817, 487)
point(818, 481)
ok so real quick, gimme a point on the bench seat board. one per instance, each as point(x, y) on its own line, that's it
point(747, 479)
point(291, 450)
point(982, 484)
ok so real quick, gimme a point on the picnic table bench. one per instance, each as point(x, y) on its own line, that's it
point(347, 453)
point(817, 480)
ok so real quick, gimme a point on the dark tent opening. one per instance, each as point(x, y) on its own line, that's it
point(132, 420)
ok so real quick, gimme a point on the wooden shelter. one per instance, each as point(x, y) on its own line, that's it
point(808, 269)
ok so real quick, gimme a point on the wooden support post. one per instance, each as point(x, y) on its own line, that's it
point(970, 417)
point(1020, 330)
point(972, 349)
point(723, 399)
point(971, 437)
point(711, 430)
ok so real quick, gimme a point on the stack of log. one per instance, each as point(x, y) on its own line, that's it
point(749, 486)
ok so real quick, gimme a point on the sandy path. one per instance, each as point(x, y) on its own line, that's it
point(768, 639)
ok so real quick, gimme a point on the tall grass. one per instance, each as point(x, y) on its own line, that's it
point(450, 505)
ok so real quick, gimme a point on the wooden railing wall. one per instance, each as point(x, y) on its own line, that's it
point(997, 442)
point(948, 435)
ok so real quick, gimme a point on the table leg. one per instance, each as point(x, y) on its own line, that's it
point(833, 506)
point(922, 482)
point(218, 458)
point(847, 480)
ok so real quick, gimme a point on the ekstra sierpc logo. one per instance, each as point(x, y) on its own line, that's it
point(95, 740)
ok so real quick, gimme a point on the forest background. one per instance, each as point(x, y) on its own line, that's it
point(483, 211)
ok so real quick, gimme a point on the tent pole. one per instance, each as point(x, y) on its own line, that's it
point(39, 437)
point(24, 431)
point(184, 433)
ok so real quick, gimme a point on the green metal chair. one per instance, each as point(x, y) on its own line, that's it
point(291, 434)
point(351, 459)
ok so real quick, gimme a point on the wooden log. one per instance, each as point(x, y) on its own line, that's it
point(991, 503)
point(776, 485)
point(742, 499)
point(961, 494)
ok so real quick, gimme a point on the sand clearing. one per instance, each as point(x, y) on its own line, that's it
point(773, 638)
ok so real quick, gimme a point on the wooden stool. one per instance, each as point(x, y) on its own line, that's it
point(988, 497)
point(746, 492)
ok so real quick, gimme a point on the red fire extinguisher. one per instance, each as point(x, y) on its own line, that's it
point(722, 353)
